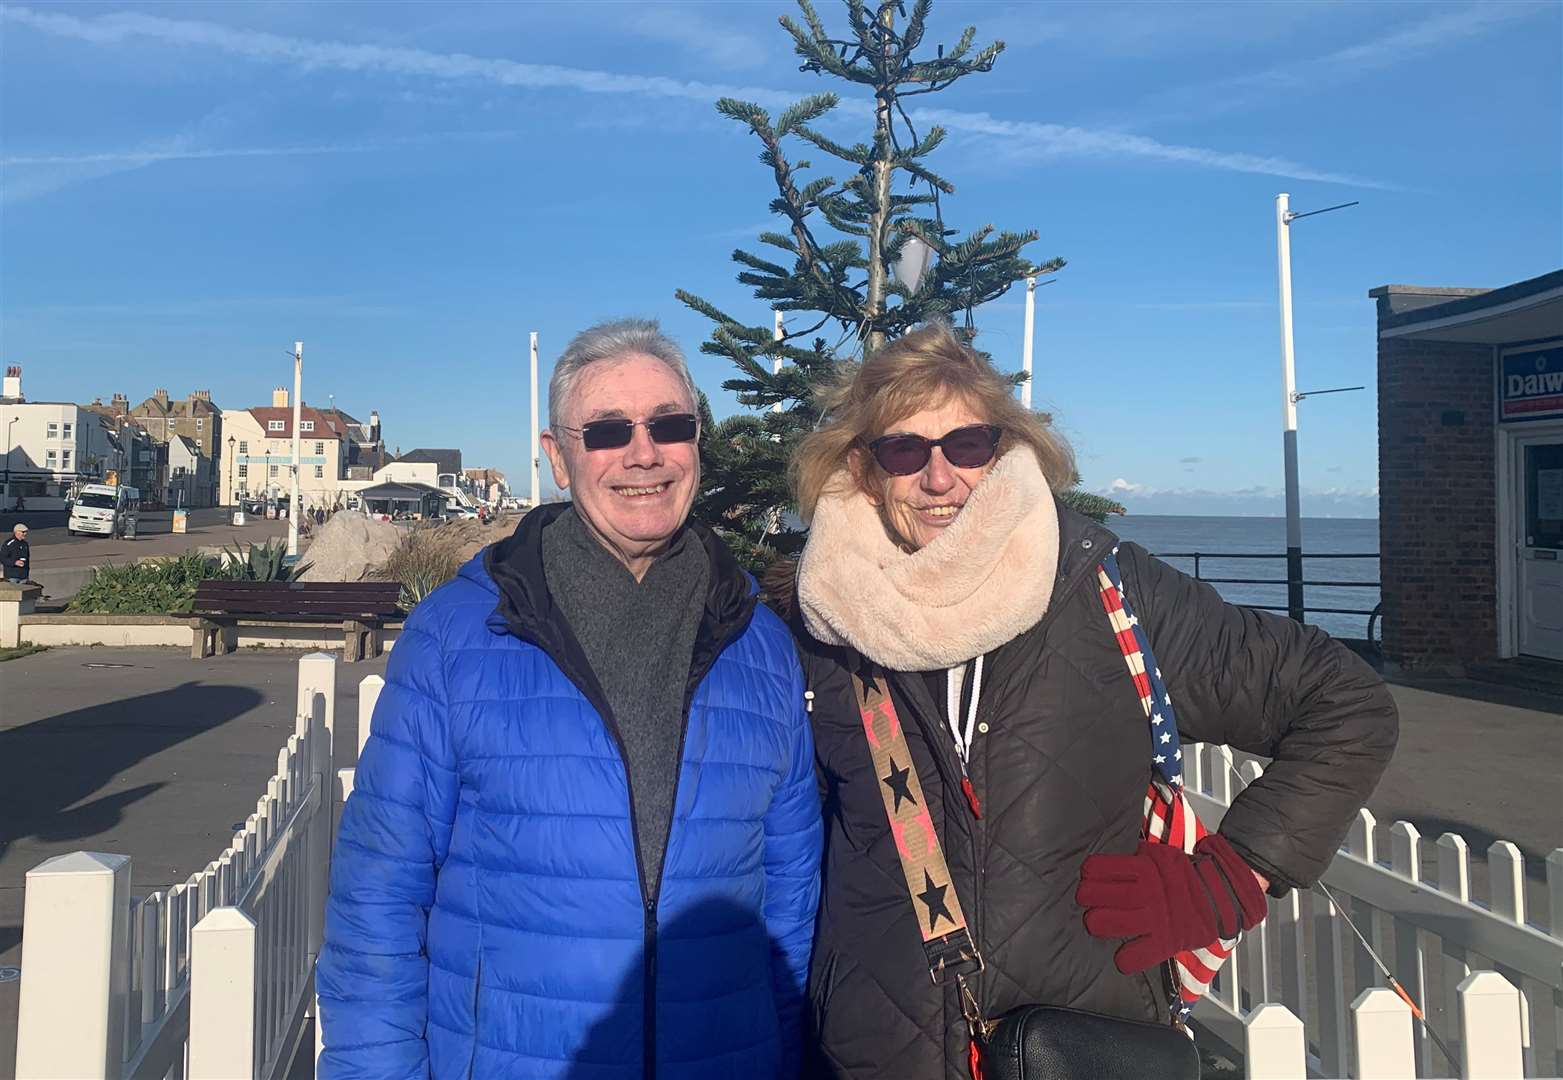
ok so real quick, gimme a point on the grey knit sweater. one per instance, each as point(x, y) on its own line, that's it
point(639, 638)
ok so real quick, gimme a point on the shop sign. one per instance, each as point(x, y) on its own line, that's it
point(1530, 384)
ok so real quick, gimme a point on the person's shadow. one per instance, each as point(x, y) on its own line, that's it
point(715, 998)
point(50, 765)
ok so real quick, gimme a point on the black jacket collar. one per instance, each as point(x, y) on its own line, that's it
point(527, 610)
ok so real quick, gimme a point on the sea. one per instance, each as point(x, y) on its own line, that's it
point(1177, 538)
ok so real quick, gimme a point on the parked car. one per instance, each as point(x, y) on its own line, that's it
point(460, 513)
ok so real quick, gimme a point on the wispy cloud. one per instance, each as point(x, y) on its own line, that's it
point(121, 27)
point(694, 30)
point(1029, 138)
point(1024, 138)
point(139, 157)
point(45, 173)
point(1448, 27)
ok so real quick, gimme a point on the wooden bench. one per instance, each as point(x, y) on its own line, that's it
point(361, 608)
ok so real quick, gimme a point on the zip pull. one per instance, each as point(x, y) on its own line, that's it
point(971, 795)
point(808, 701)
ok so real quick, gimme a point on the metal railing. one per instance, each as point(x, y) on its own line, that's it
point(1304, 609)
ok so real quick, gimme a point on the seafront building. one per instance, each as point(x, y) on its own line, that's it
point(1470, 400)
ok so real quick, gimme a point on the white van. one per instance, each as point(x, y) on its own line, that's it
point(103, 510)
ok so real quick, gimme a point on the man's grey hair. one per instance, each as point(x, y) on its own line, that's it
point(610, 341)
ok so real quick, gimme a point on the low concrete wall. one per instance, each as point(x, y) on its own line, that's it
point(78, 629)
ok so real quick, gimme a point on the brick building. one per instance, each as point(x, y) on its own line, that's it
point(195, 418)
point(1470, 400)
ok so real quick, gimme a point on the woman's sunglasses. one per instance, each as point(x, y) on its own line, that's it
point(616, 434)
point(966, 448)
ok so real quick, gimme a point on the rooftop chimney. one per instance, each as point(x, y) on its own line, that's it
point(200, 395)
point(279, 398)
point(13, 383)
point(161, 395)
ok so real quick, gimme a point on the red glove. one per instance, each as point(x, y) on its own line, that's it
point(1164, 901)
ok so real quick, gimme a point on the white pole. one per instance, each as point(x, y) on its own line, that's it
point(534, 447)
point(298, 390)
point(777, 333)
point(1025, 357)
point(1283, 249)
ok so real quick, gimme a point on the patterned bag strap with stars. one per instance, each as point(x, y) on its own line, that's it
point(1169, 819)
point(947, 943)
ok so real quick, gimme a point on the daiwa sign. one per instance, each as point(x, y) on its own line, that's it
point(1530, 384)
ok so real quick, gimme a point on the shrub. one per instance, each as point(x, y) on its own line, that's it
point(259, 562)
point(425, 559)
point(156, 587)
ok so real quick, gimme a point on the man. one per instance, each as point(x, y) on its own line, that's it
point(584, 835)
point(16, 554)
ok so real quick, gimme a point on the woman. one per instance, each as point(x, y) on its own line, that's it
point(941, 570)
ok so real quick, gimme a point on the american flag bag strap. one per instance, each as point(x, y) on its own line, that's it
point(1169, 819)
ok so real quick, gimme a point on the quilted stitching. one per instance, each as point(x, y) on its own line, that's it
point(487, 763)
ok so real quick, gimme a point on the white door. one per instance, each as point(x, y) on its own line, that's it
point(1541, 550)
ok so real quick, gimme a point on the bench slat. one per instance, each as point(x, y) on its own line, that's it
point(311, 601)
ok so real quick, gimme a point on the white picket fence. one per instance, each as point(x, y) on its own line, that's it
point(211, 979)
point(1301, 997)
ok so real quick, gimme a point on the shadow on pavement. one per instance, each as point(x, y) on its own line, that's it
point(50, 765)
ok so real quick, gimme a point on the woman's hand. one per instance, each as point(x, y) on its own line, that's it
point(1165, 901)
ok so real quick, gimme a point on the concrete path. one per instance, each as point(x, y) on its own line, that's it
point(140, 752)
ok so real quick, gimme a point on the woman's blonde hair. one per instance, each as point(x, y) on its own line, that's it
point(915, 372)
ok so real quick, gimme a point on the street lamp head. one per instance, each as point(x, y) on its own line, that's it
point(915, 259)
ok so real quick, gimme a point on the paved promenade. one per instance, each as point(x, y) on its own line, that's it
point(146, 753)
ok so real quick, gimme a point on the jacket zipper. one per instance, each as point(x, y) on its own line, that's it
point(477, 996)
point(979, 827)
point(649, 901)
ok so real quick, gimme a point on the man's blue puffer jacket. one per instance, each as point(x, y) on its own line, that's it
point(487, 916)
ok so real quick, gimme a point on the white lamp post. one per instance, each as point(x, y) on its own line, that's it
point(1284, 216)
point(534, 450)
point(298, 409)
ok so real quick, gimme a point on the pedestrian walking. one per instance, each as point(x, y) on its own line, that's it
point(16, 554)
point(584, 835)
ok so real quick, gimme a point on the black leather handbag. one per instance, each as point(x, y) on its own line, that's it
point(1042, 1042)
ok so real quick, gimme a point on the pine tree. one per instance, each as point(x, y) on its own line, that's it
point(833, 274)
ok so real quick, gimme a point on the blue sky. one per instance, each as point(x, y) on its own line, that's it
point(410, 188)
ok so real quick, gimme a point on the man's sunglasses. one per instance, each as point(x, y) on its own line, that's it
point(965, 448)
point(616, 434)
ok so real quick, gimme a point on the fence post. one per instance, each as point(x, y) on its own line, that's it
point(75, 968)
point(1489, 1026)
point(1405, 860)
point(1274, 1047)
point(317, 678)
point(222, 996)
point(1555, 892)
point(1382, 1036)
point(368, 696)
